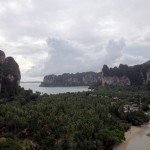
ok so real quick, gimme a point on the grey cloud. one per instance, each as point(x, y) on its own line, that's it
point(114, 50)
point(63, 55)
point(139, 49)
point(71, 57)
point(89, 27)
point(129, 60)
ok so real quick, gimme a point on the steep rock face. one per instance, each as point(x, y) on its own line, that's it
point(11, 70)
point(78, 79)
point(122, 76)
point(148, 77)
point(126, 75)
point(115, 81)
point(10, 77)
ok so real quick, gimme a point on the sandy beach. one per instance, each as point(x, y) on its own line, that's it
point(128, 136)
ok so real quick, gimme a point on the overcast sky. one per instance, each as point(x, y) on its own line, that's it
point(57, 36)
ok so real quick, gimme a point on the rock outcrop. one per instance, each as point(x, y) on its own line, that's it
point(148, 77)
point(115, 81)
point(9, 76)
point(122, 76)
point(126, 75)
point(78, 79)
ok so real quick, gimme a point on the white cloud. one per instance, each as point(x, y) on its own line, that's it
point(130, 60)
point(71, 57)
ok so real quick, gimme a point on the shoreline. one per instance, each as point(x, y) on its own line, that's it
point(131, 133)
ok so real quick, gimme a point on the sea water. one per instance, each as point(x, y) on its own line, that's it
point(53, 90)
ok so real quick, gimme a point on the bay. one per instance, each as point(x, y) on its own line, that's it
point(52, 90)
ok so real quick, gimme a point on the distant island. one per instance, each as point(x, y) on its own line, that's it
point(118, 76)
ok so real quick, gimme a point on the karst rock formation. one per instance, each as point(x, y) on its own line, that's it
point(9, 76)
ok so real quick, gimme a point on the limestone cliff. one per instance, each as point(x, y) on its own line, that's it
point(78, 79)
point(115, 81)
point(126, 75)
point(9, 76)
point(122, 76)
point(148, 77)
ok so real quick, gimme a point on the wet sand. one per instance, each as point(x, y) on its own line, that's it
point(128, 136)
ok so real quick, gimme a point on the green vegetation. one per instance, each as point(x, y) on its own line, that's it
point(93, 120)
